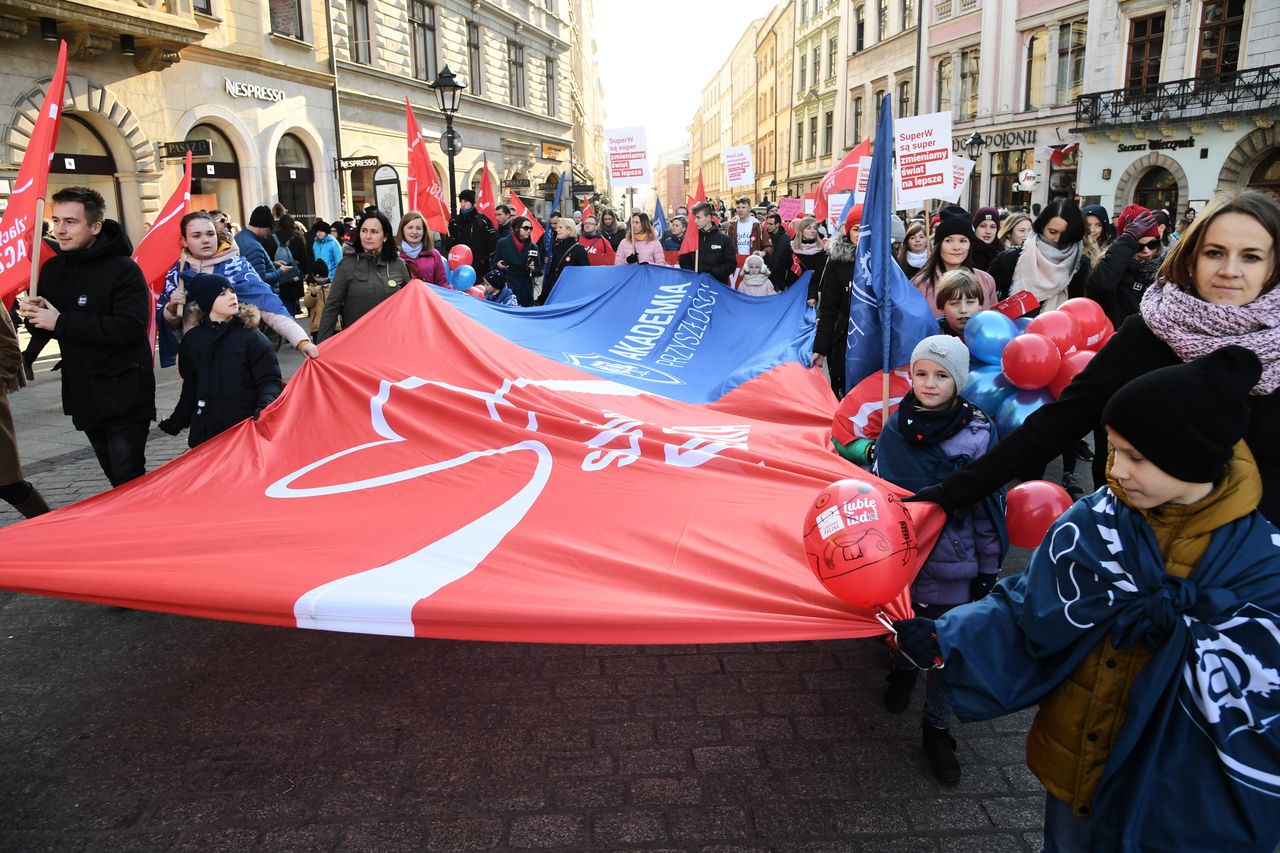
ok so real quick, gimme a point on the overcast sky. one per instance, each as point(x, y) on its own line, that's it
point(655, 57)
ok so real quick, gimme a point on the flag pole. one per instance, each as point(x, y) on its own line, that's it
point(37, 235)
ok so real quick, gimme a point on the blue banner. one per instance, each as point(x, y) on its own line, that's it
point(666, 331)
point(659, 218)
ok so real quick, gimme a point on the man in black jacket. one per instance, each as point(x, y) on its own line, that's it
point(472, 229)
point(95, 303)
point(779, 260)
point(716, 252)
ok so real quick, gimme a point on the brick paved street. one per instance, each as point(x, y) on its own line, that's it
point(127, 730)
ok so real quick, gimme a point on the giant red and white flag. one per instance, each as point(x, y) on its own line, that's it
point(842, 176)
point(558, 505)
point(486, 201)
point(159, 247)
point(520, 210)
point(426, 195)
point(19, 228)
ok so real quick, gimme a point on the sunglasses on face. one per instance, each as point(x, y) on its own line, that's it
point(526, 227)
point(1149, 246)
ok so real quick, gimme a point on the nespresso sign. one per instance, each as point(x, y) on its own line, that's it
point(253, 90)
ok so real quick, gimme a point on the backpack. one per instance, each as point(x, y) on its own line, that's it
point(291, 275)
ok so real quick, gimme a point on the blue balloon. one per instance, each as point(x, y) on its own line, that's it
point(988, 389)
point(464, 277)
point(1015, 410)
point(987, 334)
point(1022, 323)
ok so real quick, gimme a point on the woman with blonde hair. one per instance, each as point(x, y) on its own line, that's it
point(1014, 229)
point(416, 245)
point(811, 251)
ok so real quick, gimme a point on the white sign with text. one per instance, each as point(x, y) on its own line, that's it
point(738, 165)
point(922, 147)
point(628, 153)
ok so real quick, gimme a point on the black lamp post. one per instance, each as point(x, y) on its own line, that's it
point(448, 89)
point(974, 145)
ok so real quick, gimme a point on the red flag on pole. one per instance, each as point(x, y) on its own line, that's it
point(536, 234)
point(159, 247)
point(20, 229)
point(425, 193)
point(699, 194)
point(588, 211)
point(843, 176)
point(486, 201)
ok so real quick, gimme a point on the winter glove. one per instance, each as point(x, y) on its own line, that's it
point(916, 638)
point(169, 426)
point(633, 258)
point(1138, 228)
point(935, 495)
point(860, 451)
point(981, 585)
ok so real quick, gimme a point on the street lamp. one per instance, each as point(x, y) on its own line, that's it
point(448, 89)
point(974, 145)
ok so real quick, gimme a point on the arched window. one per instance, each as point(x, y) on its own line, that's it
point(1037, 61)
point(215, 182)
point(82, 159)
point(295, 178)
point(1157, 188)
point(944, 84)
point(1267, 176)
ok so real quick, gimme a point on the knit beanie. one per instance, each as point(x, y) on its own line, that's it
point(983, 214)
point(953, 220)
point(1130, 213)
point(496, 278)
point(898, 230)
point(948, 351)
point(468, 196)
point(206, 287)
point(261, 217)
point(1187, 418)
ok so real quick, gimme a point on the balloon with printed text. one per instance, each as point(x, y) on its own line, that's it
point(460, 255)
point(1032, 508)
point(1030, 361)
point(860, 542)
point(1092, 319)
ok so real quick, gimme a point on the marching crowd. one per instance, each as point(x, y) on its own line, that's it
point(1183, 401)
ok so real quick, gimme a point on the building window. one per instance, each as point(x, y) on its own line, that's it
point(803, 67)
point(1146, 39)
point(1220, 24)
point(817, 63)
point(476, 83)
point(904, 98)
point(828, 131)
point(1157, 188)
point(1070, 61)
point(944, 84)
point(969, 61)
point(551, 85)
point(422, 39)
point(859, 28)
point(879, 104)
point(358, 31)
point(882, 20)
point(831, 56)
point(286, 17)
point(856, 119)
point(804, 10)
point(1037, 59)
point(204, 7)
point(1005, 166)
point(799, 141)
point(515, 73)
point(813, 137)
point(908, 14)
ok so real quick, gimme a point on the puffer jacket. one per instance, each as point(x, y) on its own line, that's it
point(362, 282)
point(1077, 724)
point(104, 306)
point(229, 373)
point(646, 251)
point(328, 250)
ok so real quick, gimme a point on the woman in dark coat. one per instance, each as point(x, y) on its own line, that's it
point(1218, 287)
point(520, 258)
point(811, 251)
point(565, 252)
point(1051, 262)
point(832, 335)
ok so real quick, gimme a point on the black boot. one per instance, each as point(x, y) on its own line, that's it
point(24, 498)
point(1073, 489)
point(940, 749)
point(897, 696)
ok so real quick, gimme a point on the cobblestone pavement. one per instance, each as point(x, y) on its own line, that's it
point(127, 730)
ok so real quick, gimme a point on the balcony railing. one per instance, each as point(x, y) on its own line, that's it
point(1252, 90)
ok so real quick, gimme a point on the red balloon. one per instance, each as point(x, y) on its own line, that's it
point(861, 542)
point(1107, 331)
point(1032, 508)
point(1093, 320)
point(1071, 365)
point(459, 255)
point(1030, 361)
point(476, 290)
point(1060, 327)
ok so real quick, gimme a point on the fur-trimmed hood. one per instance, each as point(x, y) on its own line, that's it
point(249, 315)
point(841, 249)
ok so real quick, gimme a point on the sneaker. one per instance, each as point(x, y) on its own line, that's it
point(1073, 488)
point(897, 696)
point(940, 749)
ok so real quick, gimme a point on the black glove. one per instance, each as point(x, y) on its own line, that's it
point(633, 258)
point(981, 585)
point(934, 495)
point(168, 425)
point(1140, 225)
point(916, 638)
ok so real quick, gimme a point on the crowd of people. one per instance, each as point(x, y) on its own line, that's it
point(1182, 402)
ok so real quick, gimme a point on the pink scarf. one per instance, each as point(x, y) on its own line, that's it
point(1192, 327)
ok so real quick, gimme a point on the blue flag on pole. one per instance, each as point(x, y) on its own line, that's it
point(659, 218)
point(887, 315)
